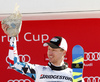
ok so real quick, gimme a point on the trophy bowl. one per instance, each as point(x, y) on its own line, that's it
point(14, 22)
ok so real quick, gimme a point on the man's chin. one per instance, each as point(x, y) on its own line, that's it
point(50, 60)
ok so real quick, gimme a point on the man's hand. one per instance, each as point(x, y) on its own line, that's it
point(4, 27)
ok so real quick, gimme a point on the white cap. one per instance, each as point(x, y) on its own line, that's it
point(57, 42)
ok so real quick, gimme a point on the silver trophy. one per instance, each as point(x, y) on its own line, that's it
point(14, 21)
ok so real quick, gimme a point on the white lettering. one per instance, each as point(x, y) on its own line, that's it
point(90, 64)
point(8, 38)
point(17, 38)
point(28, 36)
point(44, 35)
point(3, 38)
point(25, 36)
point(37, 39)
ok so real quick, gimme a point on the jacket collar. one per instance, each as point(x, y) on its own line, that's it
point(57, 68)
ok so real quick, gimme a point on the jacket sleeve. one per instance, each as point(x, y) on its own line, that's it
point(14, 62)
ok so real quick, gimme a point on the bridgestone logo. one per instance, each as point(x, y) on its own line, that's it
point(55, 77)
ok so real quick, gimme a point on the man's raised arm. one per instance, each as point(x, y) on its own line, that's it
point(14, 61)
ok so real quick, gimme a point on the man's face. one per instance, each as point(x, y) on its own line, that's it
point(55, 55)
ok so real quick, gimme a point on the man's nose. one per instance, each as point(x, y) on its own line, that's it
point(50, 52)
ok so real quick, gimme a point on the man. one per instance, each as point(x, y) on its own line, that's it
point(56, 71)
